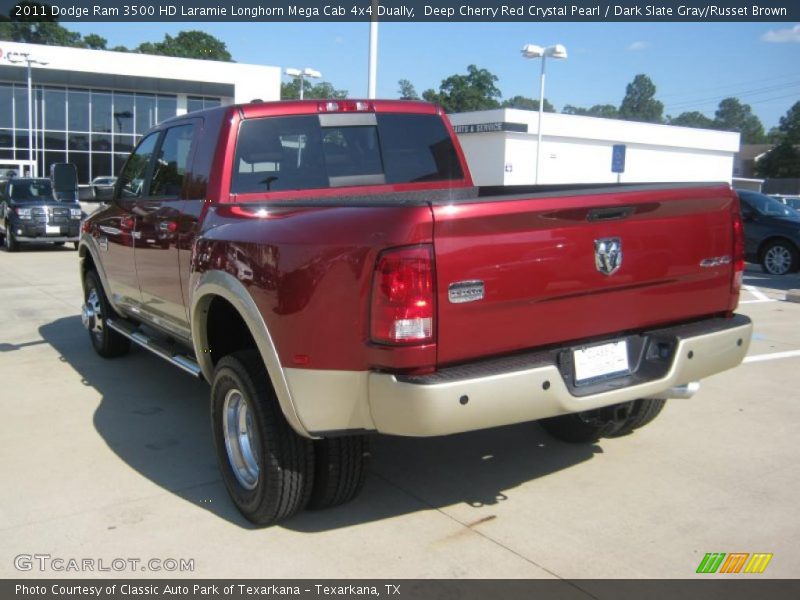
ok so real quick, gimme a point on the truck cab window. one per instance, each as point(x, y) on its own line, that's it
point(172, 160)
point(135, 170)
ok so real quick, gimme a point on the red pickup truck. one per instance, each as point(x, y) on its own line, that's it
point(329, 268)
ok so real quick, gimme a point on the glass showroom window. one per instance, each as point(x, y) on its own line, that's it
point(93, 129)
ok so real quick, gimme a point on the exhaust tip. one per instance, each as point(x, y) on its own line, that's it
point(682, 392)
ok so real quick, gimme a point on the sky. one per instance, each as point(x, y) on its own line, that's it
point(693, 65)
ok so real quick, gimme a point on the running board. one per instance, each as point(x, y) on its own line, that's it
point(183, 362)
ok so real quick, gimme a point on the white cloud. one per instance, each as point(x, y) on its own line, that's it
point(782, 35)
point(638, 46)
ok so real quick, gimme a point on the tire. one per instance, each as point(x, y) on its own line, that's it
point(268, 469)
point(12, 245)
point(612, 421)
point(106, 342)
point(642, 412)
point(779, 258)
point(340, 470)
point(578, 428)
point(76, 245)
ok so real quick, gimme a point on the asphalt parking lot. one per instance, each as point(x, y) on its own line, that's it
point(113, 459)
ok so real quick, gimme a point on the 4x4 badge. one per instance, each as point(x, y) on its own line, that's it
point(608, 255)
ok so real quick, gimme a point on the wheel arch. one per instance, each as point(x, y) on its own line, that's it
point(219, 286)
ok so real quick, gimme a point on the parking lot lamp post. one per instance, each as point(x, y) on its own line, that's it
point(25, 57)
point(533, 51)
point(301, 75)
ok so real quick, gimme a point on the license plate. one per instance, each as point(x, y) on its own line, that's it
point(600, 361)
point(52, 229)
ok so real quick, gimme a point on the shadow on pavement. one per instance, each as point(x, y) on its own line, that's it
point(155, 419)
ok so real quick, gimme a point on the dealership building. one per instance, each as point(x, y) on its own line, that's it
point(500, 146)
point(91, 106)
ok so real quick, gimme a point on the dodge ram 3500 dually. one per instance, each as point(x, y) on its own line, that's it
point(329, 268)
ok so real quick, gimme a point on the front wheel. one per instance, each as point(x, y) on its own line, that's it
point(106, 342)
point(267, 468)
point(780, 258)
point(12, 245)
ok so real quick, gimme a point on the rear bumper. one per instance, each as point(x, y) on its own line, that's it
point(48, 238)
point(503, 391)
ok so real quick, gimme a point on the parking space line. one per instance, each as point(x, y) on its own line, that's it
point(760, 296)
point(772, 356)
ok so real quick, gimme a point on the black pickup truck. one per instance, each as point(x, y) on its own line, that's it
point(31, 212)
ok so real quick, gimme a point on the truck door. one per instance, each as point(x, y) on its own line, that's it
point(116, 229)
point(157, 228)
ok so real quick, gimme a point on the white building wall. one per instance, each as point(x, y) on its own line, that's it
point(249, 81)
point(579, 149)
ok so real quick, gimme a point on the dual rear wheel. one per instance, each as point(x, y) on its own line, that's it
point(270, 471)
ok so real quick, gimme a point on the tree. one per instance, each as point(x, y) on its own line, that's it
point(95, 42)
point(692, 119)
point(38, 29)
point(527, 104)
point(459, 93)
point(783, 160)
point(603, 111)
point(639, 103)
point(407, 91)
point(321, 91)
point(732, 115)
point(188, 44)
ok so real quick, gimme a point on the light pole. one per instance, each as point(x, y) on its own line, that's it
point(301, 75)
point(25, 57)
point(372, 71)
point(533, 51)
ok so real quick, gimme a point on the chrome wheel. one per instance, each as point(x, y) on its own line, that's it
point(92, 315)
point(778, 260)
point(241, 438)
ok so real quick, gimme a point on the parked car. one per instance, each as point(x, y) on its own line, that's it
point(103, 187)
point(30, 212)
point(330, 269)
point(772, 233)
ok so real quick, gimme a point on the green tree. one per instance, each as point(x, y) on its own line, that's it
point(322, 91)
point(474, 91)
point(639, 103)
point(407, 91)
point(783, 160)
point(526, 103)
point(732, 115)
point(38, 29)
point(692, 119)
point(188, 44)
point(603, 111)
point(95, 42)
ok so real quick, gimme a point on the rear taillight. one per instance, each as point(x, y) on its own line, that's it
point(403, 298)
point(738, 252)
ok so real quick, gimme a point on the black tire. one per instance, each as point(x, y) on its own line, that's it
point(12, 245)
point(106, 342)
point(642, 412)
point(340, 470)
point(281, 484)
point(578, 428)
point(779, 258)
point(76, 245)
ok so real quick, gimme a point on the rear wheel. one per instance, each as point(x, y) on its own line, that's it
point(106, 342)
point(266, 466)
point(611, 421)
point(779, 258)
point(340, 469)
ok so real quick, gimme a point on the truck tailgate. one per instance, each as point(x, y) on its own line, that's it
point(547, 266)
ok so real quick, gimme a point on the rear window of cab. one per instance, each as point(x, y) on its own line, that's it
point(307, 152)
